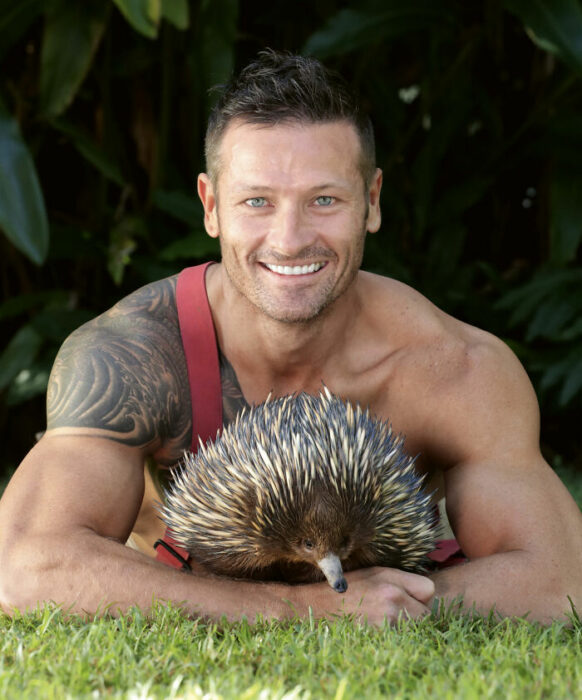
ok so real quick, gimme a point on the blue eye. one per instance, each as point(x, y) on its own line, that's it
point(325, 200)
point(256, 202)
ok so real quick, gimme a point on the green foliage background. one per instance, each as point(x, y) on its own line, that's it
point(478, 115)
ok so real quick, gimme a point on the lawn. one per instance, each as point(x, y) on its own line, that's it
point(43, 655)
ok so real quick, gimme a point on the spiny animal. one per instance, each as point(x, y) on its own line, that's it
point(303, 487)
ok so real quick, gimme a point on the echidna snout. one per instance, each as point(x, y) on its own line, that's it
point(331, 567)
point(322, 552)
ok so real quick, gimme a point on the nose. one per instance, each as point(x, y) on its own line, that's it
point(291, 231)
point(331, 567)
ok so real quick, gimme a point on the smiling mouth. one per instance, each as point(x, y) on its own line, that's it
point(295, 269)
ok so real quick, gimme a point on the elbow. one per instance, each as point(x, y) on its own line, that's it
point(567, 600)
point(20, 577)
point(559, 596)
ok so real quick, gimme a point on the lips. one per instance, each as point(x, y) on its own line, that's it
point(295, 269)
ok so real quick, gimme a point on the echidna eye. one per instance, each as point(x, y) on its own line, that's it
point(308, 544)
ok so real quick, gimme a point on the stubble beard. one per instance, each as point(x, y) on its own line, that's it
point(316, 304)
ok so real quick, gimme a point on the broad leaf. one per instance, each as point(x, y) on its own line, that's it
point(552, 295)
point(90, 150)
point(376, 21)
point(19, 355)
point(566, 216)
point(72, 34)
point(23, 215)
point(57, 323)
point(122, 244)
point(182, 206)
point(143, 15)
point(15, 18)
point(28, 383)
point(555, 25)
point(176, 12)
point(196, 246)
point(218, 25)
point(565, 374)
point(15, 306)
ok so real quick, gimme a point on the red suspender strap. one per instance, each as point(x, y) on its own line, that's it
point(199, 341)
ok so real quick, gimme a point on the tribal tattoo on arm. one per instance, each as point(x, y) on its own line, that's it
point(123, 376)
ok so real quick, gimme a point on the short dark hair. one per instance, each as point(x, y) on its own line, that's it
point(280, 87)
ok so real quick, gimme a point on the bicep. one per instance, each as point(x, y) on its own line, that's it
point(501, 506)
point(71, 483)
point(501, 494)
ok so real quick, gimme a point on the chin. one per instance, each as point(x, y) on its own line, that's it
point(286, 314)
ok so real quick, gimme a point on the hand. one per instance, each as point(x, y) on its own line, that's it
point(374, 595)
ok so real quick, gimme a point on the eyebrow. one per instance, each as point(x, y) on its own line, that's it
point(242, 187)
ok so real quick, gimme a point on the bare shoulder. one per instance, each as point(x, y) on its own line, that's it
point(123, 376)
point(461, 392)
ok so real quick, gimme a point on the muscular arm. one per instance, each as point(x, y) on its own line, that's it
point(512, 516)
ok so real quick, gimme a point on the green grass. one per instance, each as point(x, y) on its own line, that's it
point(444, 656)
point(45, 655)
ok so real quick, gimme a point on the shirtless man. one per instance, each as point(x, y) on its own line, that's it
point(291, 192)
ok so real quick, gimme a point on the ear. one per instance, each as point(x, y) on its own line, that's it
point(374, 215)
point(208, 199)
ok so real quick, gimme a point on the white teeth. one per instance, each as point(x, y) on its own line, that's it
point(296, 270)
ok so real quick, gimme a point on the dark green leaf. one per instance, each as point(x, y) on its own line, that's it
point(122, 243)
point(572, 381)
point(15, 18)
point(444, 251)
point(25, 302)
point(90, 150)
point(182, 206)
point(458, 198)
point(72, 34)
point(143, 15)
point(526, 299)
point(57, 324)
point(566, 216)
point(555, 25)
point(19, 355)
point(376, 21)
point(550, 317)
point(565, 374)
point(22, 210)
point(573, 332)
point(28, 384)
point(196, 246)
point(218, 24)
point(176, 12)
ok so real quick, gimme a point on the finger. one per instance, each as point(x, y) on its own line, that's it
point(392, 611)
point(419, 587)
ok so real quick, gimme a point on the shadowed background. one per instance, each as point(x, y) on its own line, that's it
point(477, 109)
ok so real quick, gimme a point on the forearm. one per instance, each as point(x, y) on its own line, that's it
point(88, 574)
point(515, 584)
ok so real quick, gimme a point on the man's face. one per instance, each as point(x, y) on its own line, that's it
point(291, 213)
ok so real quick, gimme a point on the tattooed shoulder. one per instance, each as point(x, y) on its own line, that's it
point(124, 376)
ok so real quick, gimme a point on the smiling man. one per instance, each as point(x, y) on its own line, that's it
point(291, 192)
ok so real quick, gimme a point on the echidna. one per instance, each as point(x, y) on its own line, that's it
point(302, 487)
